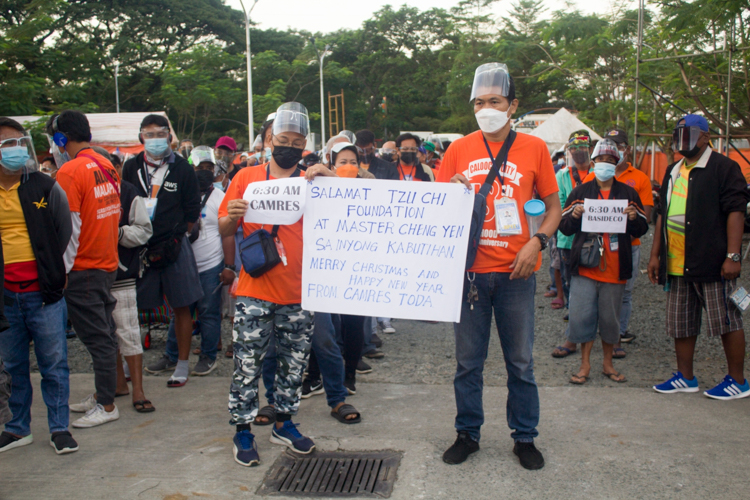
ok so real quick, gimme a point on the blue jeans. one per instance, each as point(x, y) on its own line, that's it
point(29, 320)
point(513, 304)
point(209, 315)
point(627, 296)
point(329, 356)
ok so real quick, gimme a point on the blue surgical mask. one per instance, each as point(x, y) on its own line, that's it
point(604, 171)
point(157, 148)
point(14, 158)
point(219, 186)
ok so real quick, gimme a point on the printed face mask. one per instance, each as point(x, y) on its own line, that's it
point(491, 120)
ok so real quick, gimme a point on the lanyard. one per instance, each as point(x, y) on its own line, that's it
point(576, 176)
point(145, 178)
point(501, 176)
point(414, 171)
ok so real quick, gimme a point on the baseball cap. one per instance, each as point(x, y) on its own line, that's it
point(617, 135)
point(227, 142)
point(695, 121)
point(428, 146)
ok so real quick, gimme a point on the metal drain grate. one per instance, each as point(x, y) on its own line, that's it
point(333, 474)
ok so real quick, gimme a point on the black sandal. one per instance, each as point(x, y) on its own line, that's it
point(344, 411)
point(267, 412)
point(143, 408)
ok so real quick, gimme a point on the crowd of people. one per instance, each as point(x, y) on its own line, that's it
point(91, 240)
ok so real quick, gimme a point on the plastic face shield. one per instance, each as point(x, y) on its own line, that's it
point(491, 79)
point(685, 138)
point(291, 117)
point(12, 146)
point(201, 154)
point(349, 135)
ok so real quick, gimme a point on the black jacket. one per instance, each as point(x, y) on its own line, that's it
point(3, 320)
point(179, 200)
point(45, 208)
point(382, 169)
point(570, 226)
point(714, 191)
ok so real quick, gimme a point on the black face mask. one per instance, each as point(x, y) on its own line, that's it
point(581, 157)
point(205, 179)
point(286, 157)
point(689, 153)
point(366, 158)
point(389, 157)
point(409, 158)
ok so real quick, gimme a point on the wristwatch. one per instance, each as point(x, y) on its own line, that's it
point(543, 239)
point(231, 266)
point(735, 257)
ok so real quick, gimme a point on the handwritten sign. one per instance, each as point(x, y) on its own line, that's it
point(385, 248)
point(604, 216)
point(278, 201)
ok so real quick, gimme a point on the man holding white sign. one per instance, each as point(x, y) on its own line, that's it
point(602, 215)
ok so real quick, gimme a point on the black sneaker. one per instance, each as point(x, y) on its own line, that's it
point(566, 317)
point(8, 441)
point(363, 368)
point(461, 449)
point(626, 338)
point(311, 388)
point(161, 366)
point(529, 456)
point(350, 387)
point(204, 366)
point(376, 341)
point(63, 442)
point(374, 354)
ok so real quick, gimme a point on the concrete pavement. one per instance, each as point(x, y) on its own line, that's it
point(598, 442)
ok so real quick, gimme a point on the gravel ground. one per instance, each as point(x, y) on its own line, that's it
point(422, 353)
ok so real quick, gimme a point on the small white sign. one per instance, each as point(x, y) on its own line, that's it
point(277, 201)
point(604, 216)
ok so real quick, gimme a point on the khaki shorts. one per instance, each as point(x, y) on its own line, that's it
point(126, 319)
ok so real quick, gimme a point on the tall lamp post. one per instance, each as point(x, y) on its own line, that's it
point(251, 135)
point(117, 86)
point(321, 57)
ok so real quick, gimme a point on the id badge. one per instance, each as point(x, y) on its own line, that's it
point(507, 219)
point(614, 243)
point(740, 298)
point(407, 177)
point(151, 207)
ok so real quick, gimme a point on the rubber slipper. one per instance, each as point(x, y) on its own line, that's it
point(567, 352)
point(143, 408)
point(550, 294)
point(197, 350)
point(612, 376)
point(583, 381)
point(269, 413)
point(343, 412)
point(558, 304)
point(619, 353)
point(229, 354)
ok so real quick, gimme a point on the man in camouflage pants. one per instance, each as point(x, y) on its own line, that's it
point(256, 323)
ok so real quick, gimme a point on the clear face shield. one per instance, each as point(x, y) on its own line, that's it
point(200, 154)
point(292, 117)
point(685, 138)
point(17, 154)
point(60, 158)
point(491, 79)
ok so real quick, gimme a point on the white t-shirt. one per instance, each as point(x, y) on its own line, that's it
point(208, 250)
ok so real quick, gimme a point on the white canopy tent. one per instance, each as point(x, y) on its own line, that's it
point(556, 130)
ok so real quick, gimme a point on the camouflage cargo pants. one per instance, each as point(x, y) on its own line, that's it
point(256, 322)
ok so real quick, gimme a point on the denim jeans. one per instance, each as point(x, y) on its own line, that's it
point(30, 319)
point(328, 353)
point(209, 315)
point(627, 296)
point(371, 327)
point(513, 304)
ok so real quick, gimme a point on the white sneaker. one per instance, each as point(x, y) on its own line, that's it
point(97, 416)
point(387, 327)
point(87, 404)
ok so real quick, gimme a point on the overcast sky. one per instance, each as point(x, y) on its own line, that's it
point(330, 15)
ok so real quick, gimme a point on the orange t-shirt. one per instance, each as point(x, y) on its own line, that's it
point(282, 284)
point(411, 172)
point(638, 181)
point(611, 273)
point(92, 195)
point(529, 169)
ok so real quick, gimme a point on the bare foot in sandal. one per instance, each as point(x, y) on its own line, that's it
point(615, 376)
point(581, 377)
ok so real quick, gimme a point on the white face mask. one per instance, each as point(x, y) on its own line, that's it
point(491, 120)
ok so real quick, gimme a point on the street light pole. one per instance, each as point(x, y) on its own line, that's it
point(251, 134)
point(117, 86)
point(321, 57)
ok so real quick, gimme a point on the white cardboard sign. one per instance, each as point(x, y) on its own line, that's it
point(604, 216)
point(278, 201)
point(385, 248)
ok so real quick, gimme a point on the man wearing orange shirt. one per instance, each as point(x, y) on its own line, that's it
point(501, 280)
point(269, 305)
point(639, 181)
point(93, 189)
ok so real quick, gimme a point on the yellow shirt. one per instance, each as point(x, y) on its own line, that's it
point(16, 242)
point(676, 223)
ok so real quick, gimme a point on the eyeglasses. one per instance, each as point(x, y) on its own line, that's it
point(408, 150)
point(163, 134)
point(364, 151)
point(284, 142)
point(16, 141)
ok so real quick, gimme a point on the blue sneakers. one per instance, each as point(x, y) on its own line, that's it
point(245, 450)
point(289, 436)
point(678, 383)
point(729, 389)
